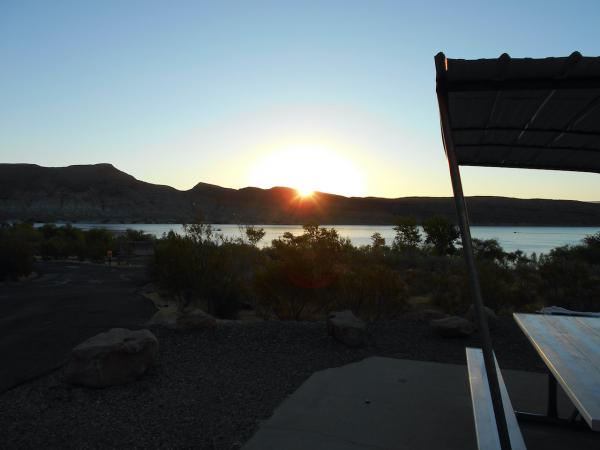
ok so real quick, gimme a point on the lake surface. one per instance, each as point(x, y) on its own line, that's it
point(526, 239)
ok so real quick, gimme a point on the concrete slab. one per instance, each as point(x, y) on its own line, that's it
point(384, 403)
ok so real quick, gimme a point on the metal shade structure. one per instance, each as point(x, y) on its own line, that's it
point(520, 113)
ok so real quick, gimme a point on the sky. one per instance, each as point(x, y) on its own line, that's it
point(337, 96)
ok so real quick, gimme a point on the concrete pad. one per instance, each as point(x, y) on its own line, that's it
point(384, 403)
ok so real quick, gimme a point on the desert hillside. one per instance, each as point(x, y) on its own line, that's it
point(102, 193)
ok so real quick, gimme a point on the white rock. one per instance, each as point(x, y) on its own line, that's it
point(195, 319)
point(346, 328)
point(165, 317)
point(116, 357)
point(453, 326)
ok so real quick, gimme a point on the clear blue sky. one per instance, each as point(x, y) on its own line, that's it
point(178, 92)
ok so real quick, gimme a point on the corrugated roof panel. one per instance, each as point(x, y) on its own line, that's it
point(530, 113)
point(471, 110)
point(591, 121)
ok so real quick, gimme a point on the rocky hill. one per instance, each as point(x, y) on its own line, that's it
point(102, 193)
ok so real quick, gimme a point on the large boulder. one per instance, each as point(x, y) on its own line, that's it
point(452, 326)
point(174, 319)
point(164, 317)
point(425, 315)
point(346, 328)
point(194, 319)
point(116, 357)
point(489, 314)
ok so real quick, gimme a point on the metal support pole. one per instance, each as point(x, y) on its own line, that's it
point(465, 231)
point(486, 342)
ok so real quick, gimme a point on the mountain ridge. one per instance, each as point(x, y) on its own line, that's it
point(101, 193)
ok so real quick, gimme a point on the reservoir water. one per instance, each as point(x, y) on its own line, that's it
point(526, 239)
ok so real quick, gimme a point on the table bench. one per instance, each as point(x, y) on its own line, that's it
point(483, 411)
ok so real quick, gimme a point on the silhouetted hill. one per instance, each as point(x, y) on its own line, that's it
point(102, 193)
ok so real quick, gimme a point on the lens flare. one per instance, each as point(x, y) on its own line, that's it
point(308, 169)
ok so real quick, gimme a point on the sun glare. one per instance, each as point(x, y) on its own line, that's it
point(304, 192)
point(308, 169)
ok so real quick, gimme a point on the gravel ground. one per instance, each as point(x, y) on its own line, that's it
point(211, 388)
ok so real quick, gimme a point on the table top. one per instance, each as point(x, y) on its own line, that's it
point(570, 347)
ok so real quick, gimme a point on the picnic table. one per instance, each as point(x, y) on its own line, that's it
point(570, 348)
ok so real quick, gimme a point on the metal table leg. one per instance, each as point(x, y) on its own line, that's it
point(551, 416)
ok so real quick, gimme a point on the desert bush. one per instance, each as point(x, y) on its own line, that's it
point(301, 276)
point(489, 250)
point(254, 234)
point(377, 242)
point(408, 236)
point(306, 276)
point(203, 269)
point(131, 235)
point(441, 235)
point(173, 264)
point(59, 242)
point(508, 281)
point(53, 248)
point(372, 291)
point(570, 276)
point(16, 250)
point(97, 242)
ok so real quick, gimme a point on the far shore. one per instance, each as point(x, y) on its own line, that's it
point(527, 238)
point(97, 222)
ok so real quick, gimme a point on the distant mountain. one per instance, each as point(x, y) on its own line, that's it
point(102, 193)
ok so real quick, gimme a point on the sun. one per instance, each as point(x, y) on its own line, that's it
point(304, 193)
point(308, 169)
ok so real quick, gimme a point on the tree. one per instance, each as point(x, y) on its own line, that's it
point(490, 249)
point(407, 236)
point(377, 241)
point(441, 234)
point(254, 234)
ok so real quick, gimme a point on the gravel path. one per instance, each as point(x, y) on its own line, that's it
point(211, 388)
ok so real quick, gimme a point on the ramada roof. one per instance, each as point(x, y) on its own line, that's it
point(523, 112)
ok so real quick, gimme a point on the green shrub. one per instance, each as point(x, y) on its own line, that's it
point(97, 242)
point(136, 236)
point(254, 235)
point(301, 277)
point(307, 276)
point(58, 242)
point(408, 236)
point(571, 276)
point(304, 277)
point(16, 250)
point(372, 291)
point(441, 235)
point(202, 269)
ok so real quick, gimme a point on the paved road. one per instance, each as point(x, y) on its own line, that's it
point(42, 319)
